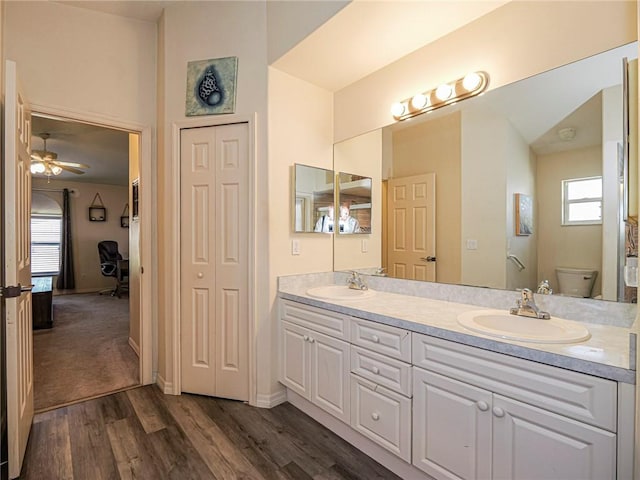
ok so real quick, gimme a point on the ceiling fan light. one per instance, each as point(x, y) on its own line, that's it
point(56, 170)
point(37, 168)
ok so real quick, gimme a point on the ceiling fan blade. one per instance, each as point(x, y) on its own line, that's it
point(70, 164)
point(43, 155)
point(70, 169)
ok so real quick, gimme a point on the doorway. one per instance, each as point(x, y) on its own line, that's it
point(93, 313)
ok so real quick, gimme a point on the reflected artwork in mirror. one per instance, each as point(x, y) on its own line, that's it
point(313, 209)
point(354, 200)
point(526, 138)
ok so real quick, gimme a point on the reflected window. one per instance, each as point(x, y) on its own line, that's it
point(582, 201)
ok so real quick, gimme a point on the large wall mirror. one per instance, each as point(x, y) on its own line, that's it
point(519, 185)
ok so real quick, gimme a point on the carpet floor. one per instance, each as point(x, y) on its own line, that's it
point(86, 353)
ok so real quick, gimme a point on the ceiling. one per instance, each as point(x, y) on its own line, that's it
point(366, 35)
point(105, 150)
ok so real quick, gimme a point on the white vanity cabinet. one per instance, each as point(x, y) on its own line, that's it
point(316, 365)
point(479, 414)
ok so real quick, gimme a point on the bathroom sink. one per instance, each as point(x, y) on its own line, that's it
point(498, 323)
point(339, 292)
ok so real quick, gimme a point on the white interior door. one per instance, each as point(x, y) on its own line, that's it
point(17, 208)
point(411, 222)
point(215, 261)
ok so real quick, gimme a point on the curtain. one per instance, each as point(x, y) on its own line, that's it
point(66, 279)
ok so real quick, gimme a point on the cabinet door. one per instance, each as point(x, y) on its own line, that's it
point(295, 370)
point(330, 374)
point(451, 427)
point(530, 443)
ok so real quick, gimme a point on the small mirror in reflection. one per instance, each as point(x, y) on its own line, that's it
point(313, 207)
point(354, 198)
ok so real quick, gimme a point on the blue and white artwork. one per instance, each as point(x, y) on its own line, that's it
point(211, 86)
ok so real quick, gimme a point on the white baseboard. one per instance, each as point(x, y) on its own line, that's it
point(134, 346)
point(166, 387)
point(270, 401)
point(362, 443)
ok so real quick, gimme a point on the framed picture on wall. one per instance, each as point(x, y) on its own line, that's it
point(524, 214)
point(211, 86)
point(97, 210)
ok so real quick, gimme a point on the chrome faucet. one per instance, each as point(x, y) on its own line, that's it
point(356, 282)
point(526, 306)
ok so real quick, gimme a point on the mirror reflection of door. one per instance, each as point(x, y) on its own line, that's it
point(411, 242)
point(313, 207)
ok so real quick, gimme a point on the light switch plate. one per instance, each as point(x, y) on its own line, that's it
point(365, 245)
point(295, 247)
point(472, 244)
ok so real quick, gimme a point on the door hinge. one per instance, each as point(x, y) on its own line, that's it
point(11, 291)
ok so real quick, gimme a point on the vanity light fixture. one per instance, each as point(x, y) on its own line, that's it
point(470, 85)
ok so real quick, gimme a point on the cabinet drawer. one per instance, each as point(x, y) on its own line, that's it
point(582, 397)
point(323, 321)
point(381, 415)
point(389, 372)
point(391, 341)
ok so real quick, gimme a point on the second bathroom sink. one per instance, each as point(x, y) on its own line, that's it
point(498, 323)
point(339, 292)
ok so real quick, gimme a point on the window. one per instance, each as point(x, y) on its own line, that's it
point(45, 244)
point(582, 201)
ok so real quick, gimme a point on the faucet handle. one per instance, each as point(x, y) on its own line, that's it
point(527, 295)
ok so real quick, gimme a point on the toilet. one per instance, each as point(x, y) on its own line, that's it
point(576, 282)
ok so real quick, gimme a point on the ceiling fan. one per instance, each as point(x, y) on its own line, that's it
point(47, 163)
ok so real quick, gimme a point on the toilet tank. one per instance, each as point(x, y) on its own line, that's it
point(576, 282)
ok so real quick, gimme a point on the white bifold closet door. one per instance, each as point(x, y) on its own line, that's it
point(214, 259)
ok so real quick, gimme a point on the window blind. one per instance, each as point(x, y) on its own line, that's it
point(46, 234)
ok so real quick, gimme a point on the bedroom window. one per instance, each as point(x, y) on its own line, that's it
point(46, 235)
point(582, 201)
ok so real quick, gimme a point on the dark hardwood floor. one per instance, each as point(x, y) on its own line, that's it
point(143, 434)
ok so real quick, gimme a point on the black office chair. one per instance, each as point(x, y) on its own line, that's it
point(112, 265)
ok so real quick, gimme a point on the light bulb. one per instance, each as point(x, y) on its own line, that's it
point(56, 170)
point(471, 81)
point(443, 92)
point(37, 168)
point(419, 101)
point(397, 109)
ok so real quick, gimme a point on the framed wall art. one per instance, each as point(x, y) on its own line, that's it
point(524, 214)
point(97, 210)
point(211, 86)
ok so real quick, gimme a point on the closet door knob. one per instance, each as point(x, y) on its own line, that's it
point(375, 416)
point(482, 406)
point(200, 275)
point(498, 412)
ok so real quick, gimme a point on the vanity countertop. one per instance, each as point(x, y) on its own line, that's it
point(606, 354)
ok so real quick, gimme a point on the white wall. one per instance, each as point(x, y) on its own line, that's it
point(483, 199)
point(521, 178)
point(513, 42)
point(198, 31)
point(87, 234)
point(361, 156)
point(85, 62)
point(300, 131)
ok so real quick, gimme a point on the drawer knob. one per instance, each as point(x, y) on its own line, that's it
point(375, 416)
point(375, 339)
point(311, 340)
point(305, 338)
point(482, 406)
point(375, 370)
point(498, 412)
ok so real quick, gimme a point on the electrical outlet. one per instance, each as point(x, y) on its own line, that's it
point(295, 247)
